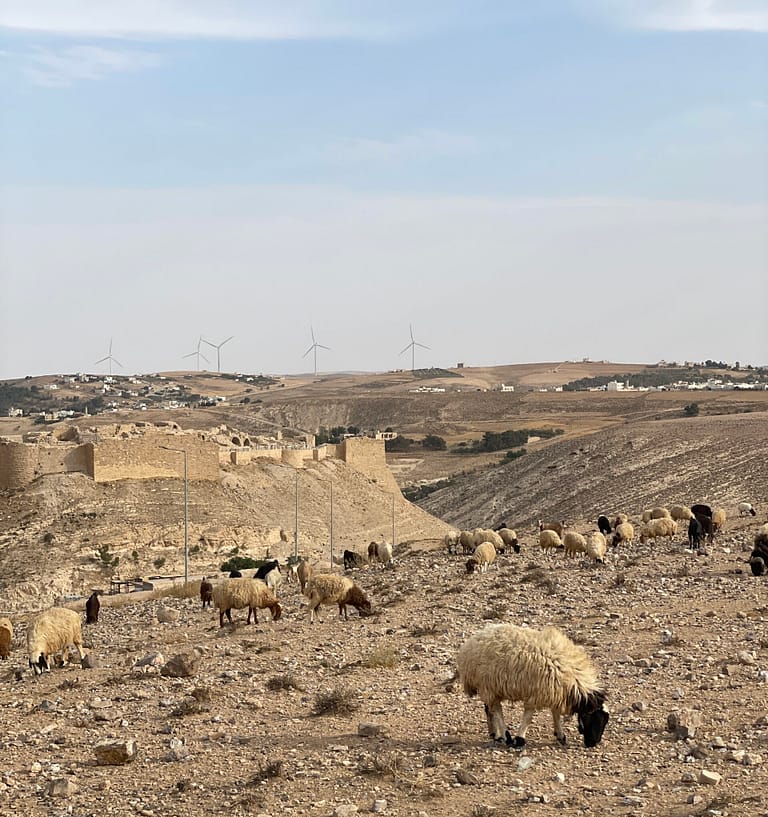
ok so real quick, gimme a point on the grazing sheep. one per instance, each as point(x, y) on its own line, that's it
point(746, 509)
point(484, 555)
point(485, 535)
point(758, 559)
point(646, 516)
point(92, 606)
point(620, 519)
point(718, 519)
point(604, 524)
point(660, 513)
point(327, 588)
point(695, 533)
point(238, 593)
point(467, 541)
point(261, 572)
point(661, 526)
point(6, 637)
point(273, 579)
point(304, 573)
point(557, 527)
point(352, 559)
point(542, 668)
point(549, 539)
point(50, 632)
point(574, 543)
point(509, 538)
point(206, 592)
point(380, 552)
point(451, 540)
point(623, 532)
point(596, 546)
point(680, 513)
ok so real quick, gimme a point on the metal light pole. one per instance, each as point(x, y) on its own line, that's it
point(331, 522)
point(393, 521)
point(186, 510)
point(296, 528)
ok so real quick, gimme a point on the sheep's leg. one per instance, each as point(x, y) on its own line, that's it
point(519, 740)
point(559, 733)
point(494, 716)
point(312, 609)
point(80, 650)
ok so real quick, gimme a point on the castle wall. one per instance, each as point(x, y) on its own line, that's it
point(21, 463)
point(143, 458)
point(368, 456)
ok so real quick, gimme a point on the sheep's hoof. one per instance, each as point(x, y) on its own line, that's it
point(560, 739)
point(515, 743)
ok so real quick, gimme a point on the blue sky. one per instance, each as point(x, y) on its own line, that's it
point(172, 169)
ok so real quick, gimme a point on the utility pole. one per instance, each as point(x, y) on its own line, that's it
point(296, 528)
point(331, 522)
point(393, 522)
point(186, 510)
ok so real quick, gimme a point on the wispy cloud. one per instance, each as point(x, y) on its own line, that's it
point(689, 15)
point(65, 66)
point(237, 19)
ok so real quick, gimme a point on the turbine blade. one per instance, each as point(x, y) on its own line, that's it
point(320, 345)
point(309, 350)
point(209, 343)
point(406, 348)
point(422, 345)
point(191, 354)
point(101, 361)
point(115, 360)
point(410, 327)
point(203, 357)
point(231, 337)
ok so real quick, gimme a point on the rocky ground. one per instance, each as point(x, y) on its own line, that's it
point(352, 717)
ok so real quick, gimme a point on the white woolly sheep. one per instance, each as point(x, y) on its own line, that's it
point(467, 541)
point(6, 637)
point(746, 509)
point(243, 592)
point(718, 519)
point(574, 543)
point(681, 513)
point(304, 573)
point(660, 513)
point(596, 546)
point(485, 535)
point(549, 539)
point(542, 668)
point(50, 632)
point(328, 588)
point(624, 532)
point(557, 527)
point(509, 538)
point(380, 552)
point(273, 579)
point(646, 516)
point(452, 541)
point(484, 555)
point(620, 519)
point(661, 527)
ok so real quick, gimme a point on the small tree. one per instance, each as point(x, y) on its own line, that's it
point(691, 410)
point(107, 559)
point(434, 443)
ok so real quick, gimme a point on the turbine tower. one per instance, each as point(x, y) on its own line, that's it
point(315, 346)
point(412, 346)
point(197, 353)
point(218, 350)
point(110, 359)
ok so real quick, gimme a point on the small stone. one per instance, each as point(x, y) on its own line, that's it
point(430, 761)
point(90, 661)
point(694, 799)
point(61, 787)
point(345, 810)
point(559, 778)
point(166, 615)
point(371, 730)
point(687, 777)
point(730, 669)
point(717, 743)
point(155, 659)
point(466, 778)
point(183, 665)
point(524, 763)
point(737, 755)
point(379, 806)
point(630, 800)
point(709, 778)
point(752, 759)
point(746, 658)
point(639, 706)
point(698, 752)
point(683, 722)
point(115, 753)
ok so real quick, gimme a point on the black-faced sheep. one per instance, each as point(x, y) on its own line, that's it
point(352, 559)
point(53, 631)
point(623, 532)
point(758, 559)
point(241, 592)
point(327, 588)
point(604, 524)
point(206, 592)
point(451, 541)
point(542, 668)
point(659, 527)
point(484, 555)
point(509, 538)
point(92, 607)
point(557, 527)
point(6, 637)
point(380, 552)
point(746, 509)
point(620, 519)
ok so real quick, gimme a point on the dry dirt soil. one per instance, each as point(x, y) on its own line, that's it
point(253, 730)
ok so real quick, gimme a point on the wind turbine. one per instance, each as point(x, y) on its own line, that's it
point(110, 359)
point(412, 346)
point(315, 346)
point(197, 353)
point(218, 350)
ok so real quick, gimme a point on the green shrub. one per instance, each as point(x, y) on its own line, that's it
point(434, 443)
point(691, 410)
point(240, 563)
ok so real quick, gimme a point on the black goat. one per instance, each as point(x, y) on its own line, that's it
point(758, 559)
point(695, 534)
point(603, 524)
point(702, 510)
point(92, 607)
point(352, 559)
point(235, 574)
point(267, 567)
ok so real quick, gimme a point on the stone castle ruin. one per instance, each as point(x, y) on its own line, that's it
point(146, 451)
